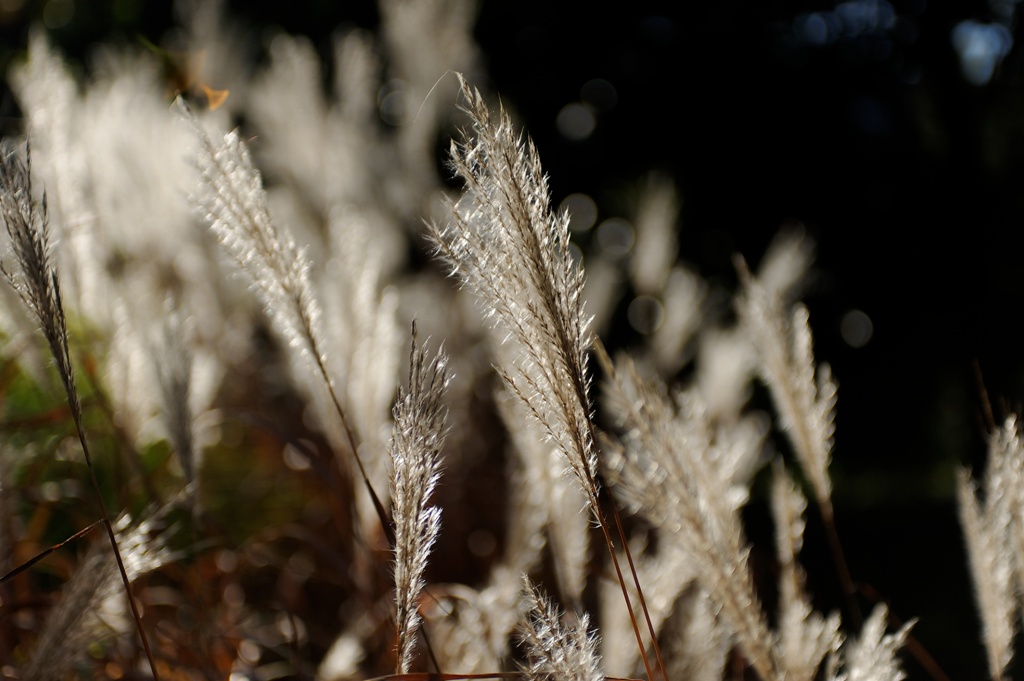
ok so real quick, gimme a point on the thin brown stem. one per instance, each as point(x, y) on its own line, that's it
point(605, 361)
point(389, 532)
point(839, 558)
point(351, 437)
point(39, 287)
point(113, 540)
point(119, 432)
point(643, 601)
point(603, 522)
point(428, 676)
point(43, 554)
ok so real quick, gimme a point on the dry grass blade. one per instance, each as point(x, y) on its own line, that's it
point(416, 444)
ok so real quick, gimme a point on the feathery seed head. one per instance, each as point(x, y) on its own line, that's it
point(418, 438)
point(233, 202)
point(556, 651)
point(35, 278)
point(84, 609)
point(989, 526)
point(872, 656)
point(804, 394)
point(507, 245)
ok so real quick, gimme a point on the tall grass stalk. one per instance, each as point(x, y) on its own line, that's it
point(233, 201)
point(416, 446)
point(508, 246)
point(38, 284)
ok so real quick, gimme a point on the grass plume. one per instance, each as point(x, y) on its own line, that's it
point(416, 444)
point(556, 651)
point(510, 248)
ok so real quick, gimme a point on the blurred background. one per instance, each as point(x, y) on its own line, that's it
point(892, 132)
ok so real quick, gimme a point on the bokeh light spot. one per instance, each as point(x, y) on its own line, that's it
point(645, 314)
point(850, 21)
point(9, 8)
point(58, 13)
point(576, 121)
point(856, 328)
point(234, 597)
point(248, 651)
point(615, 237)
point(812, 29)
point(50, 491)
point(481, 543)
point(295, 459)
point(866, 16)
point(392, 100)
point(599, 94)
point(126, 10)
point(981, 48)
point(582, 212)
point(226, 560)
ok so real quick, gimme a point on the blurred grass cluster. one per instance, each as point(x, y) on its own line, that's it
point(349, 129)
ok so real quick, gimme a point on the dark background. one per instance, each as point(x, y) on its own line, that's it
point(907, 176)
